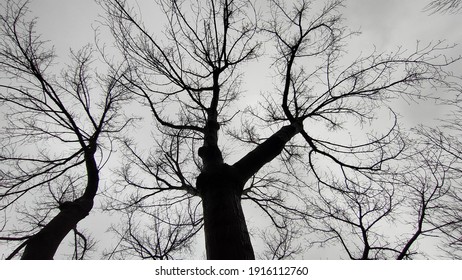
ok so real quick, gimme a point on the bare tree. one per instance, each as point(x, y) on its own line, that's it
point(166, 235)
point(430, 186)
point(32, 216)
point(415, 199)
point(446, 139)
point(190, 75)
point(283, 243)
point(351, 215)
point(56, 137)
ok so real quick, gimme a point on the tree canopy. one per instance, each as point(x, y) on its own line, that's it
point(319, 159)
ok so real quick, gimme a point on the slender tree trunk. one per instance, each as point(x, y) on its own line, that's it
point(43, 245)
point(226, 234)
point(416, 235)
point(404, 252)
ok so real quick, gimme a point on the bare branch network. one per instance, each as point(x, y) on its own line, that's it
point(321, 159)
point(444, 6)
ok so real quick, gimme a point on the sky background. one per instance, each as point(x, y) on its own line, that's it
point(384, 24)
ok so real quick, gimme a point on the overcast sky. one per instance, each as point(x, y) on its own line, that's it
point(384, 24)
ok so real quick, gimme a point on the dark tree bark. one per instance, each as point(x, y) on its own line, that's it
point(43, 245)
point(226, 234)
point(221, 186)
point(195, 70)
point(57, 133)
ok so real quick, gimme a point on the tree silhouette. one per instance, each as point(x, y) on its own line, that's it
point(446, 140)
point(190, 75)
point(414, 197)
point(56, 137)
point(321, 155)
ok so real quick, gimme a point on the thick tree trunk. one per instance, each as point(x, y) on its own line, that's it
point(43, 245)
point(226, 234)
point(221, 186)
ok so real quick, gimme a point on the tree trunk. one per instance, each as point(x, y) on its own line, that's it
point(43, 245)
point(220, 187)
point(226, 234)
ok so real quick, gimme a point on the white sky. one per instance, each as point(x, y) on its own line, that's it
point(384, 24)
